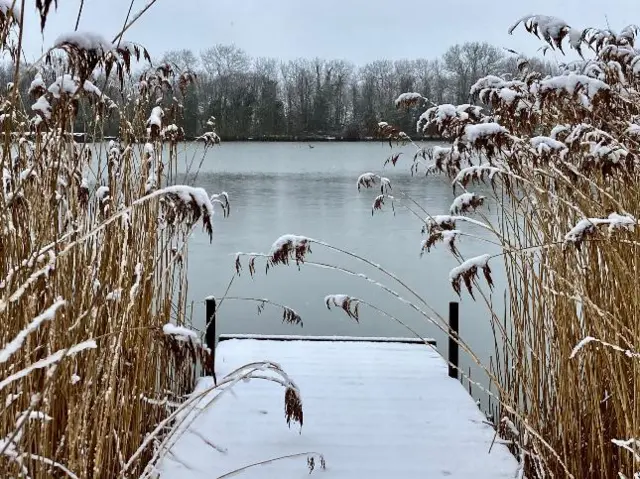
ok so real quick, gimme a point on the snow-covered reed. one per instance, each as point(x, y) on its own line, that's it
point(92, 288)
point(561, 155)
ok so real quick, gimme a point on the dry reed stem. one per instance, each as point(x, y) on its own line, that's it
point(110, 254)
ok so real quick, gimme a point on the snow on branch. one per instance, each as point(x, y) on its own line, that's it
point(468, 272)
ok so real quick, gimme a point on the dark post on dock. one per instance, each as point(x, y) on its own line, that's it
point(454, 330)
point(210, 332)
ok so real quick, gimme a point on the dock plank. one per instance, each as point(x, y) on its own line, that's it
point(374, 410)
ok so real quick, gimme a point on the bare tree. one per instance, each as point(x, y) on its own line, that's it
point(465, 63)
point(181, 59)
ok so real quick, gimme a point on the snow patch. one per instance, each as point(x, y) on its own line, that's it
point(16, 343)
point(468, 265)
point(180, 333)
point(474, 133)
point(84, 41)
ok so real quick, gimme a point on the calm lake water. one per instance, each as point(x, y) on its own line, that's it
point(281, 188)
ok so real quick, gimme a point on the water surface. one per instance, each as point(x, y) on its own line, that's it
point(282, 188)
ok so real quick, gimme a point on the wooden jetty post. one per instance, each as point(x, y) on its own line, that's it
point(454, 330)
point(210, 335)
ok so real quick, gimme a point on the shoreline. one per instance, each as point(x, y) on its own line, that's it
point(81, 138)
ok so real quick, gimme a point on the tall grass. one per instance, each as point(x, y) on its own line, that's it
point(93, 266)
point(562, 156)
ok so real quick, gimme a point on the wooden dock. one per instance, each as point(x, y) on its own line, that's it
point(374, 410)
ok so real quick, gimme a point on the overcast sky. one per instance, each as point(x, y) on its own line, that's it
point(355, 30)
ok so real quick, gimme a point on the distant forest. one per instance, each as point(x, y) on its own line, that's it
point(268, 98)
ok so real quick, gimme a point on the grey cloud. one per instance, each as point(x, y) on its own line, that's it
point(355, 30)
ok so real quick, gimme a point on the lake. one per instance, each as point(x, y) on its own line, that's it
point(282, 188)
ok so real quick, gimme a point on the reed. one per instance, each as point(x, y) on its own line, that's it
point(94, 353)
point(560, 158)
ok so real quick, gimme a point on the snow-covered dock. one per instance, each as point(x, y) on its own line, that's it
point(372, 409)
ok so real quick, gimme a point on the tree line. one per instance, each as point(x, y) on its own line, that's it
point(304, 98)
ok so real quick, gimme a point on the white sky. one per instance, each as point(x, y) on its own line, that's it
point(356, 30)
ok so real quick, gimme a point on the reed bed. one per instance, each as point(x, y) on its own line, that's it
point(94, 352)
point(561, 157)
point(561, 154)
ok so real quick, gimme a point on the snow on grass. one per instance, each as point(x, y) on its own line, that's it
point(438, 153)
point(43, 107)
point(573, 82)
point(476, 173)
point(409, 98)
point(581, 345)
point(546, 144)
point(468, 271)
point(37, 84)
point(474, 133)
point(508, 95)
point(466, 202)
point(625, 221)
point(552, 29)
point(156, 116)
point(64, 84)
point(633, 129)
point(493, 82)
point(84, 41)
point(114, 295)
point(599, 151)
point(180, 333)
point(510, 426)
point(16, 343)
point(366, 180)
point(588, 226)
point(630, 445)
point(475, 262)
point(33, 415)
point(189, 194)
point(48, 361)
point(293, 240)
